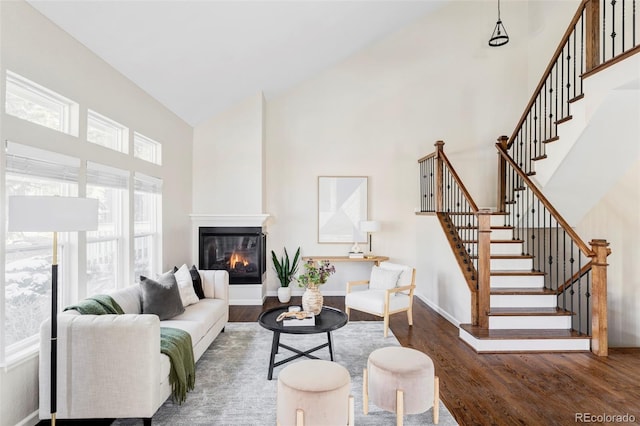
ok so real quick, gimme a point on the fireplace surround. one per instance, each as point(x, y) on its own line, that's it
point(240, 250)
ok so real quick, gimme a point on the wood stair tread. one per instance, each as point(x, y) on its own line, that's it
point(496, 241)
point(504, 227)
point(506, 273)
point(537, 291)
point(507, 256)
point(503, 334)
point(515, 312)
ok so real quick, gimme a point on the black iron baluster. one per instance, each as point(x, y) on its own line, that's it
point(613, 28)
point(564, 268)
point(580, 292)
point(587, 302)
point(623, 27)
point(572, 261)
point(543, 258)
point(568, 75)
point(633, 23)
point(557, 258)
point(575, 60)
point(582, 58)
point(604, 34)
point(555, 124)
point(561, 87)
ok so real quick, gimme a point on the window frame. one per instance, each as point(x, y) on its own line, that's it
point(44, 97)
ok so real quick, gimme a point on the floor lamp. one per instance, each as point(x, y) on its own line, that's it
point(52, 214)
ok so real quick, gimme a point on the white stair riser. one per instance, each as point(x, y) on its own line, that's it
point(523, 264)
point(502, 248)
point(525, 345)
point(516, 281)
point(498, 220)
point(526, 322)
point(523, 301)
point(496, 234)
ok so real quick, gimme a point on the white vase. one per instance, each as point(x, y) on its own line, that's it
point(284, 294)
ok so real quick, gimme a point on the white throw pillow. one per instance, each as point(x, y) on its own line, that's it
point(185, 284)
point(383, 279)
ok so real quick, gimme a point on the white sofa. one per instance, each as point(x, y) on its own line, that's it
point(110, 366)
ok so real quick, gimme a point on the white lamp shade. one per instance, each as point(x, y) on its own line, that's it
point(369, 226)
point(52, 214)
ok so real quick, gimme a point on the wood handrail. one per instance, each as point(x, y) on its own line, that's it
point(563, 223)
point(575, 277)
point(466, 194)
point(426, 157)
point(547, 70)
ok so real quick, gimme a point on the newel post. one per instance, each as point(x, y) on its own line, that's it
point(502, 174)
point(439, 175)
point(599, 335)
point(592, 34)
point(484, 267)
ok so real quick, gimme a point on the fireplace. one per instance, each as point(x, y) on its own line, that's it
point(239, 250)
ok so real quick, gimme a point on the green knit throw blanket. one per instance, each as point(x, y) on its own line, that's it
point(100, 304)
point(176, 344)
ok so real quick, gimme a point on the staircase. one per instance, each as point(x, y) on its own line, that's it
point(535, 285)
point(523, 314)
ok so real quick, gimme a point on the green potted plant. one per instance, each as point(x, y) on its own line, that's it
point(286, 270)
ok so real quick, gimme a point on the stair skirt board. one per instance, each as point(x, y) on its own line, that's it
point(523, 301)
point(516, 281)
point(529, 322)
point(525, 345)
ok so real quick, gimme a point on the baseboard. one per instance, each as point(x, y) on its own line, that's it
point(439, 310)
point(31, 420)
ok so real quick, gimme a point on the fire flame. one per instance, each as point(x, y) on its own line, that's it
point(237, 260)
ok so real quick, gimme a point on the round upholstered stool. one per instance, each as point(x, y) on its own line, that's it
point(314, 392)
point(402, 381)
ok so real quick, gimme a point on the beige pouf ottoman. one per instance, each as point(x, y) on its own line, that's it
point(314, 392)
point(402, 381)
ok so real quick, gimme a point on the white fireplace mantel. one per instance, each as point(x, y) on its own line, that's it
point(199, 219)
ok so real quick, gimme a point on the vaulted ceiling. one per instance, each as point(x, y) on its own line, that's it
point(200, 57)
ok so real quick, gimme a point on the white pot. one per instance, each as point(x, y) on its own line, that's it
point(284, 294)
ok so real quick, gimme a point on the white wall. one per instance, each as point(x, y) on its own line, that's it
point(380, 110)
point(615, 218)
point(34, 47)
point(228, 170)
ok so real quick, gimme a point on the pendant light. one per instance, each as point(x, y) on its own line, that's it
point(499, 36)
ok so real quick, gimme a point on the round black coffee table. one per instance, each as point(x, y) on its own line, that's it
point(329, 319)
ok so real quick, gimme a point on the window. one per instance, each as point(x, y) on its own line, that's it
point(147, 149)
point(106, 246)
point(147, 225)
point(32, 102)
point(29, 255)
point(106, 132)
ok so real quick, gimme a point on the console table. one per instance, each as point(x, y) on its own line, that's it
point(375, 259)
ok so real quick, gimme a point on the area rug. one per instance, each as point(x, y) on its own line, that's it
point(232, 386)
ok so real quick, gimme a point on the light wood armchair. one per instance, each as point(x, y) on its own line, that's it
point(384, 302)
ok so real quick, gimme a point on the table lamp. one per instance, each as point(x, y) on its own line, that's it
point(369, 226)
point(52, 214)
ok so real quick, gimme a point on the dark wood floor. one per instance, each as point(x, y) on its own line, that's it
point(509, 389)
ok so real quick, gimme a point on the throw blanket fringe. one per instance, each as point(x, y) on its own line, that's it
point(100, 304)
point(176, 344)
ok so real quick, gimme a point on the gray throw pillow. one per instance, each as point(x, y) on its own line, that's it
point(161, 296)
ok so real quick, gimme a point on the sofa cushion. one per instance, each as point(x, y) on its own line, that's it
point(129, 299)
point(161, 296)
point(185, 285)
point(205, 313)
point(197, 282)
point(196, 329)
